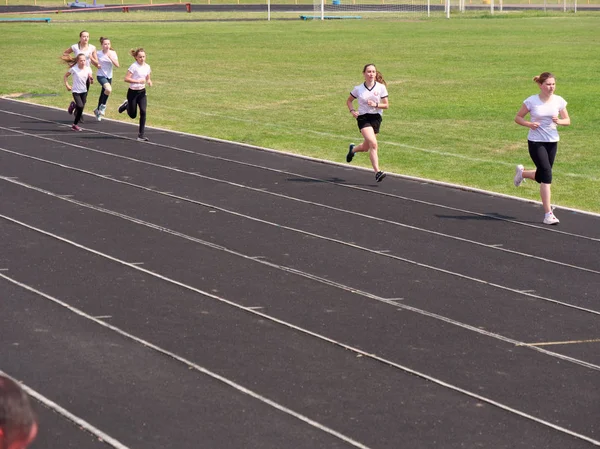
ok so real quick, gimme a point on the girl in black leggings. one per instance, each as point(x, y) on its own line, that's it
point(138, 76)
point(547, 111)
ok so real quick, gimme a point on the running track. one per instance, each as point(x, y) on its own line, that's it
point(189, 293)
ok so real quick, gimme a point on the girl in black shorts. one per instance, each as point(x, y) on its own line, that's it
point(372, 97)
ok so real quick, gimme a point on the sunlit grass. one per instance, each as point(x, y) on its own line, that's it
point(455, 86)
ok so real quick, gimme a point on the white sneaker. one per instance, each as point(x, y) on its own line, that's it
point(97, 114)
point(518, 175)
point(550, 219)
point(102, 110)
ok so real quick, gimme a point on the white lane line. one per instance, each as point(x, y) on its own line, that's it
point(317, 236)
point(556, 343)
point(296, 131)
point(324, 206)
point(338, 137)
point(189, 363)
point(238, 387)
point(371, 191)
point(312, 277)
point(70, 416)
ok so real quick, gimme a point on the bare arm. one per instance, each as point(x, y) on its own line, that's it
point(384, 104)
point(66, 81)
point(520, 118)
point(564, 119)
point(94, 59)
point(129, 79)
point(350, 104)
point(112, 55)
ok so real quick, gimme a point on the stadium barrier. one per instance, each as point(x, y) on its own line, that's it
point(124, 8)
point(26, 19)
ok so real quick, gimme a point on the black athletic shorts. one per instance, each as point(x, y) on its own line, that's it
point(372, 120)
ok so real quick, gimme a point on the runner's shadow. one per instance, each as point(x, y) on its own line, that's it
point(328, 180)
point(484, 217)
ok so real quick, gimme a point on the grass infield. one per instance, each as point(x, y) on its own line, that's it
point(455, 86)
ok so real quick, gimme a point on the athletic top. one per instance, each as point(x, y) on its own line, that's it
point(137, 72)
point(80, 77)
point(87, 53)
point(106, 65)
point(542, 113)
point(362, 93)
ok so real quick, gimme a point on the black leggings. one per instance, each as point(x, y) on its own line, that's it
point(135, 99)
point(79, 99)
point(543, 154)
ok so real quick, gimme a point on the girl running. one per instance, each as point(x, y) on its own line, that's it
point(82, 74)
point(372, 96)
point(107, 59)
point(138, 76)
point(546, 110)
point(91, 57)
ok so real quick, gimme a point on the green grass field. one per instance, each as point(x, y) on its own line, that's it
point(455, 86)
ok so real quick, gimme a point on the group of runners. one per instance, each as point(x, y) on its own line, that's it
point(546, 111)
point(81, 56)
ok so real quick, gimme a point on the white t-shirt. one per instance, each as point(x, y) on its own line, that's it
point(137, 72)
point(87, 52)
point(542, 113)
point(80, 77)
point(362, 93)
point(106, 65)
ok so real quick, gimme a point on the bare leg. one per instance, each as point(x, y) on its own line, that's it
point(544, 190)
point(529, 174)
point(370, 145)
point(546, 197)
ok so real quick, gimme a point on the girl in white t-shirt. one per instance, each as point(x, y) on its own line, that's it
point(107, 60)
point(82, 74)
point(138, 76)
point(546, 111)
point(372, 97)
point(82, 47)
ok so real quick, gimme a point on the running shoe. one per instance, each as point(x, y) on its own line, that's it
point(76, 128)
point(350, 154)
point(123, 107)
point(518, 175)
point(550, 219)
point(143, 139)
point(97, 114)
point(102, 109)
point(71, 108)
point(379, 176)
